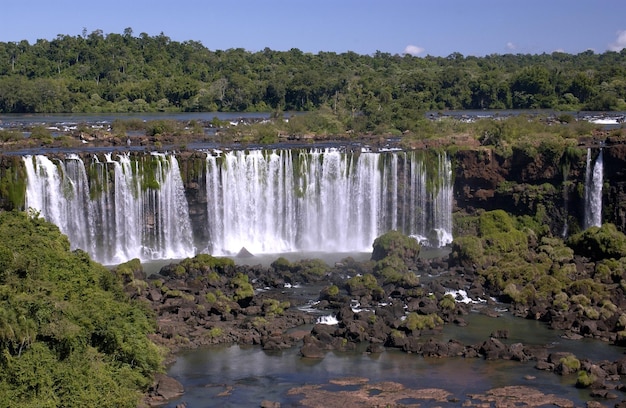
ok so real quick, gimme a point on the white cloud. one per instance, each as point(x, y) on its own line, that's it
point(413, 50)
point(511, 46)
point(620, 42)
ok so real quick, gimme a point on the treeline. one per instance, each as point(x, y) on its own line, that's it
point(99, 72)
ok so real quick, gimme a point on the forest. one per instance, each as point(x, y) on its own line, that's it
point(98, 72)
point(69, 335)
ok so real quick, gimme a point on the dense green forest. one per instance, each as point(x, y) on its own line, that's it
point(100, 72)
point(69, 336)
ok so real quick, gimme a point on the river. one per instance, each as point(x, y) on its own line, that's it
point(234, 376)
point(243, 376)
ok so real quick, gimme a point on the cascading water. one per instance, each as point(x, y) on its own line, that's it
point(323, 200)
point(119, 213)
point(593, 190)
point(118, 208)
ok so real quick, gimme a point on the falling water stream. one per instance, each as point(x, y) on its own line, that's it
point(593, 190)
point(119, 207)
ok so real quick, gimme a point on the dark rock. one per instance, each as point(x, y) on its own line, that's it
point(500, 334)
point(544, 365)
point(166, 387)
point(494, 349)
point(244, 253)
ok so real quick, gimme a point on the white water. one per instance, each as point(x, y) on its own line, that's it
point(322, 200)
point(593, 191)
point(124, 220)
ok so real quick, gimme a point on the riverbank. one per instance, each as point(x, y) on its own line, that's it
point(351, 307)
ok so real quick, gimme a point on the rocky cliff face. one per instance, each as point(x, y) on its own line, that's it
point(525, 184)
point(615, 182)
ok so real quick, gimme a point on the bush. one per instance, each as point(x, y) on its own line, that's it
point(69, 336)
point(396, 244)
point(585, 379)
point(416, 322)
point(599, 243)
point(495, 221)
point(467, 251)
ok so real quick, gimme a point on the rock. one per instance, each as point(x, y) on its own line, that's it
point(544, 365)
point(494, 349)
point(244, 253)
point(311, 350)
point(500, 334)
point(270, 404)
point(167, 387)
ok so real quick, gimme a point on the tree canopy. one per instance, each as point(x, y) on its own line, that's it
point(69, 336)
point(100, 72)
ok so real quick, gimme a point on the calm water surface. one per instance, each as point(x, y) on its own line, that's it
point(244, 376)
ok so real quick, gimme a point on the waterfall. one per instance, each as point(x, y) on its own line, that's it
point(442, 203)
point(125, 209)
point(117, 207)
point(323, 200)
point(593, 190)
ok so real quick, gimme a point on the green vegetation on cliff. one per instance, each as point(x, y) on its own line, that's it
point(68, 334)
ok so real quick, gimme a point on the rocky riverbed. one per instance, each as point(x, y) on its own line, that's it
point(205, 301)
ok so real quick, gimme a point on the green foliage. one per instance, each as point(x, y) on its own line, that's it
point(571, 362)
point(394, 243)
point(585, 379)
point(447, 302)
point(243, 289)
point(281, 264)
point(416, 322)
point(162, 127)
point(599, 243)
point(273, 307)
point(467, 251)
point(41, 134)
point(13, 183)
point(68, 334)
point(497, 221)
point(205, 264)
point(311, 269)
point(363, 284)
point(380, 93)
point(128, 269)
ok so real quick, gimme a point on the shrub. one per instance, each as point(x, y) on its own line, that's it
point(491, 222)
point(585, 379)
point(467, 251)
point(396, 244)
point(447, 302)
point(415, 322)
point(75, 338)
point(571, 363)
point(599, 243)
point(243, 289)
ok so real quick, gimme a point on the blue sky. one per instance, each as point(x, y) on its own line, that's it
point(420, 27)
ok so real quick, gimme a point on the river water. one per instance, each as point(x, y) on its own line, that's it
point(234, 376)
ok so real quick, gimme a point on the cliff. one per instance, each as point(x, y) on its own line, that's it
point(527, 182)
point(546, 184)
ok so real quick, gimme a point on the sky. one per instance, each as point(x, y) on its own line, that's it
point(417, 27)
